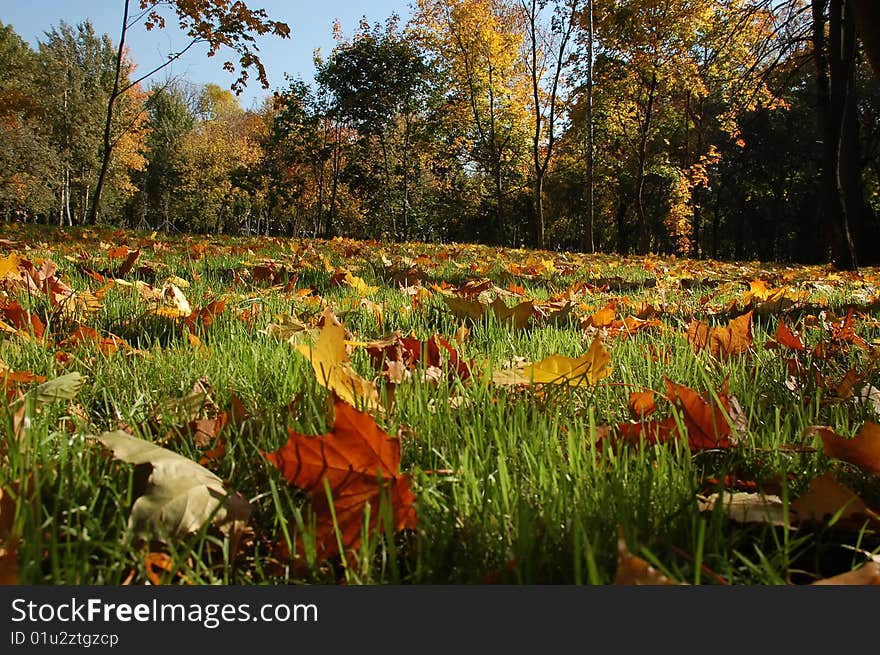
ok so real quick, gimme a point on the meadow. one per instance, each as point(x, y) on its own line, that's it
point(226, 410)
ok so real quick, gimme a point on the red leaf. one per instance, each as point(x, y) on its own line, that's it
point(784, 336)
point(351, 458)
point(22, 320)
point(707, 424)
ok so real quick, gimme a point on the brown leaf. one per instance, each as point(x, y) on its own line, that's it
point(25, 322)
point(735, 339)
point(698, 334)
point(785, 337)
point(863, 450)
point(87, 335)
point(867, 574)
point(723, 342)
point(8, 540)
point(517, 316)
point(633, 570)
point(351, 459)
point(825, 498)
point(706, 421)
point(126, 266)
point(641, 403)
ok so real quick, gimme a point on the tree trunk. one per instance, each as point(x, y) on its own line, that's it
point(539, 208)
point(620, 219)
point(108, 122)
point(832, 89)
point(642, 226)
point(589, 240)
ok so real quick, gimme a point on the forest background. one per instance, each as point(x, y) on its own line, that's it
point(729, 129)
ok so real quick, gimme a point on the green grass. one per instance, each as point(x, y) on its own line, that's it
point(510, 483)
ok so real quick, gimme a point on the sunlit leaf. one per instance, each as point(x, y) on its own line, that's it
point(360, 463)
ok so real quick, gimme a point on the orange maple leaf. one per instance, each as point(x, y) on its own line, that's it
point(723, 342)
point(784, 336)
point(705, 421)
point(359, 462)
point(863, 450)
point(25, 322)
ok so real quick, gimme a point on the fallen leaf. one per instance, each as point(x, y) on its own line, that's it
point(722, 342)
point(827, 497)
point(8, 540)
point(156, 564)
point(517, 316)
point(870, 395)
point(359, 462)
point(641, 403)
point(743, 507)
point(734, 339)
point(867, 574)
point(8, 264)
point(462, 308)
point(23, 321)
point(180, 496)
point(633, 570)
point(863, 450)
point(705, 419)
point(64, 387)
point(332, 369)
point(603, 318)
point(588, 369)
point(785, 337)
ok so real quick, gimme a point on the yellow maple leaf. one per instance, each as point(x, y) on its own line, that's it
point(329, 360)
point(8, 264)
point(358, 284)
point(586, 370)
point(589, 368)
point(517, 316)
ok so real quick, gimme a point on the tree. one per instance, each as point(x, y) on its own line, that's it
point(379, 84)
point(75, 77)
point(478, 47)
point(26, 156)
point(549, 41)
point(212, 159)
point(170, 119)
point(850, 220)
point(215, 22)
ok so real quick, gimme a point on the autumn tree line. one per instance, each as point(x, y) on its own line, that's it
point(742, 129)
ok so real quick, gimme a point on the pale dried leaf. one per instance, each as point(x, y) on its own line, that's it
point(180, 496)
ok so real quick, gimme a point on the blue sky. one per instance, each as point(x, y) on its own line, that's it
point(310, 24)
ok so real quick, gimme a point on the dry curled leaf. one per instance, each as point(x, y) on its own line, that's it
point(179, 496)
